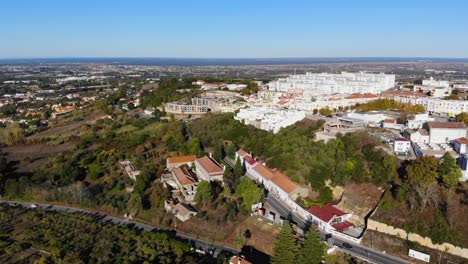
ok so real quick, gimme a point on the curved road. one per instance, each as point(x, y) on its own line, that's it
point(207, 246)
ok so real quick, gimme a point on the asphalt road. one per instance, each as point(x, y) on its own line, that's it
point(357, 250)
point(206, 246)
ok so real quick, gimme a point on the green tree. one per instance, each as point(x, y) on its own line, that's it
point(448, 171)
point(231, 151)
point(134, 204)
point(313, 249)
point(462, 117)
point(238, 169)
point(94, 171)
point(203, 192)
point(249, 192)
point(285, 248)
point(422, 171)
point(326, 111)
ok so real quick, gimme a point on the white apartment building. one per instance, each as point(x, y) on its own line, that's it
point(318, 84)
point(435, 105)
point(436, 83)
point(268, 118)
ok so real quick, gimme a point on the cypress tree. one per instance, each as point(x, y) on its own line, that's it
point(285, 246)
point(313, 250)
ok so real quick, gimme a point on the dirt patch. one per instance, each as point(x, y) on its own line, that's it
point(359, 200)
point(263, 234)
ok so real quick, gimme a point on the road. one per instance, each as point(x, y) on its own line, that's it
point(357, 250)
point(207, 246)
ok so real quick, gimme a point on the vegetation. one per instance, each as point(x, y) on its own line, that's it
point(73, 238)
point(313, 249)
point(390, 104)
point(285, 246)
point(249, 192)
point(463, 117)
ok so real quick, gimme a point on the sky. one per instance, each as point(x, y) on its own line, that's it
point(233, 28)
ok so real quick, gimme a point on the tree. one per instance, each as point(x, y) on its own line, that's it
point(315, 111)
point(134, 204)
point(249, 192)
point(422, 171)
point(463, 117)
point(238, 169)
point(231, 151)
point(326, 111)
point(313, 249)
point(203, 192)
point(285, 248)
point(231, 179)
point(448, 171)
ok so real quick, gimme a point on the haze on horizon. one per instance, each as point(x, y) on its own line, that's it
point(233, 29)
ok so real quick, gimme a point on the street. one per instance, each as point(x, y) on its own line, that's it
point(357, 250)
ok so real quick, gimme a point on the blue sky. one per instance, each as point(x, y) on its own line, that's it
point(233, 28)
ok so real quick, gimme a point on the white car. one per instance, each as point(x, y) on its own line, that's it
point(33, 205)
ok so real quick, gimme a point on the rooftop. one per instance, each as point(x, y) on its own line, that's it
point(241, 152)
point(462, 140)
point(182, 159)
point(184, 176)
point(450, 125)
point(325, 213)
point(210, 165)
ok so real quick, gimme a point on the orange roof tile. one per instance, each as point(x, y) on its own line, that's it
point(462, 140)
point(182, 159)
point(183, 176)
point(242, 152)
point(264, 171)
point(284, 182)
point(446, 125)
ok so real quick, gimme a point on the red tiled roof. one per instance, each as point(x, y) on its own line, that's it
point(284, 182)
point(454, 125)
point(241, 152)
point(358, 95)
point(389, 121)
point(404, 93)
point(210, 166)
point(237, 260)
point(183, 176)
point(462, 140)
point(326, 212)
point(263, 171)
point(249, 160)
point(342, 226)
point(402, 139)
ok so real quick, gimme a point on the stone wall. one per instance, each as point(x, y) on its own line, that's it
point(425, 241)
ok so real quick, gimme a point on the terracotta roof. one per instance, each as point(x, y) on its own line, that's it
point(358, 95)
point(326, 212)
point(404, 93)
point(249, 159)
point(241, 152)
point(449, 125)
point(402, 139)
point(389, 121)
point(263, 171)
point(183, 176)
point(210, 166)
point(182, 159)
point(239, 260)
point(284, 182)
point(182, 209)
point(342, 226)
point(462, 140)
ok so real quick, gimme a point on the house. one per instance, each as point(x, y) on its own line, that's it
point(329, 218)
point(208, 169)
point(186, 181)
point(418, 121)
point(181, 211)
point(418, 136)
point(239, 260)
point(401, 145)
point(459, 145)
point(246, 160)
point(58, 111)
point(391, 123)
point(175, 162)
point(149, 110)
point(277, 183)
point(443, 132)
point(129, 169)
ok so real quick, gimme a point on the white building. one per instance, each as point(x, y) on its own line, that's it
point(436, 105)
point(368, 118)
point(268, 118)
point(436, 83)
point(401, 145)
point(318, 84)
point(459, 145)
point(418, 121)
point(443, 132)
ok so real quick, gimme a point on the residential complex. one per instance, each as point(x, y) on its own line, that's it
point(268, 118)
point(319, 84)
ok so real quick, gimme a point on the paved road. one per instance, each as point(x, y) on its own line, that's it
point(207, 246)
point(357, 250)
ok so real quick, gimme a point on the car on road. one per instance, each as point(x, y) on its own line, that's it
point(33, 205)
point(346, 245)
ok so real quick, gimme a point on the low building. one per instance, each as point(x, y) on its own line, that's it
point(401, 145)
point(418, 121)
point(175, 162)
point(246, 160)
point(58, 111)
point(129, 169)
point(187, 182)
point(329, 218)
point(418, 136)
point(181, 211)
point(459, 145)
point(443, 132)
point(208, 169)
